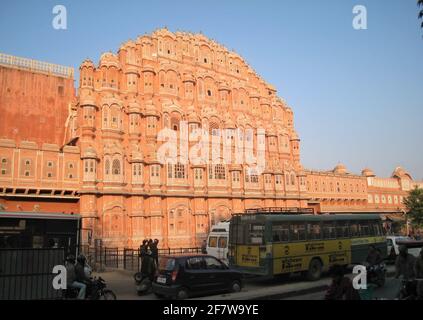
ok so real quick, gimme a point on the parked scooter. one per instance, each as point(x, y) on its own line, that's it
point(143, 283)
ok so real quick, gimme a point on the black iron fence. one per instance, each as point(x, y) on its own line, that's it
point(27, 274)
point(100, 258)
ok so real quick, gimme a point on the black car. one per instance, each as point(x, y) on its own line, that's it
point(185, 276)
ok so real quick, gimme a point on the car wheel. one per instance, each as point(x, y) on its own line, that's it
point(235, 286)
point(182, 294)
point(314, 270)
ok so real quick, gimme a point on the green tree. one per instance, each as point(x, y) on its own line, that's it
point(414, 205)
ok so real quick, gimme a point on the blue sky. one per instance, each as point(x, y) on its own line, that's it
point(357, 96)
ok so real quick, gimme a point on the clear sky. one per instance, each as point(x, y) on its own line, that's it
point(357, 96)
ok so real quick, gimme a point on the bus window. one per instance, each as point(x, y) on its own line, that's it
point(314, 231)
point(256, 234)
point(341, 229)
point(236, 233)
point(223, 242)
point(354, 232)
point(377, 229)
point(298, 232)
point(328, 230)
point(280, 233)
point(213, 242)
point(364, 228)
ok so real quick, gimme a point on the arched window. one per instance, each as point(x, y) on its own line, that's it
point(179, 171)
point(105, 116)
point(116, 167)
point(219, 172)
point(214, 129)
point(293, 179)
point(107, 167)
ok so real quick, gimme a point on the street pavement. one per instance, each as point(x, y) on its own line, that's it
point(292, 288)
point(388, 292)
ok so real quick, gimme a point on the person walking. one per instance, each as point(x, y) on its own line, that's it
point(155, 252)
point(204, 247)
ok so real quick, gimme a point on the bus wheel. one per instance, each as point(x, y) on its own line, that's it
point(314, 270)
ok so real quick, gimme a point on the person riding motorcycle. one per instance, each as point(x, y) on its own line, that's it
point(418, 270)
point(71, 278)
point(81, 275)
point(341, 287)
point(404, 264)
point(373, 257)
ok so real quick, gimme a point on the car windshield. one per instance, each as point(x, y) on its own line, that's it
point(167, 264)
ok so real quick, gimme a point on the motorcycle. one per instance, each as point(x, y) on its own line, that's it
point(96, 290)
point(408, 289)
point(376, 274)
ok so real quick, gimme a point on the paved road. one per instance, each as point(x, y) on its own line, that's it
point(389, 292)
point(122, 283)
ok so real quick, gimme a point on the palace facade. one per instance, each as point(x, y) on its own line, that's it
point(96, 152)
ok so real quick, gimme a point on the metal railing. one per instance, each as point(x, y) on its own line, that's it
point(100, 258)
point(27, 274)
point(279, 210)
point(35, 65)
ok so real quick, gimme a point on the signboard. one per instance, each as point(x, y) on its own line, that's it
point(248, 256)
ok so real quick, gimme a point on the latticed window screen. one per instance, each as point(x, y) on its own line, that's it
point(116, 166)
point(107, 167)
point(179, 171)
point(219, 172)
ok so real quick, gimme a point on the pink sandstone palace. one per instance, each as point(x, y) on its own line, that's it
point(94, 152)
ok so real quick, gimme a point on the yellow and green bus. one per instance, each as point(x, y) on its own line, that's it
point(269, 243)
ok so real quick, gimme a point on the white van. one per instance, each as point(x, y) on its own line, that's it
point(393, 247)
point(217, 241)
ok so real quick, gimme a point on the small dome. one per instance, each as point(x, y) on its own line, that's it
point(367, 172)
point(87, 64)
point(223, 86)
point(192, 115)
point(89, 153)
point(150, 110)
point(399, 172)
point(134, 107)
point(340, 169)
point(229, 123)
point(109, 59)
point(137, 156)
point(294, 136)
point(188, 77)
